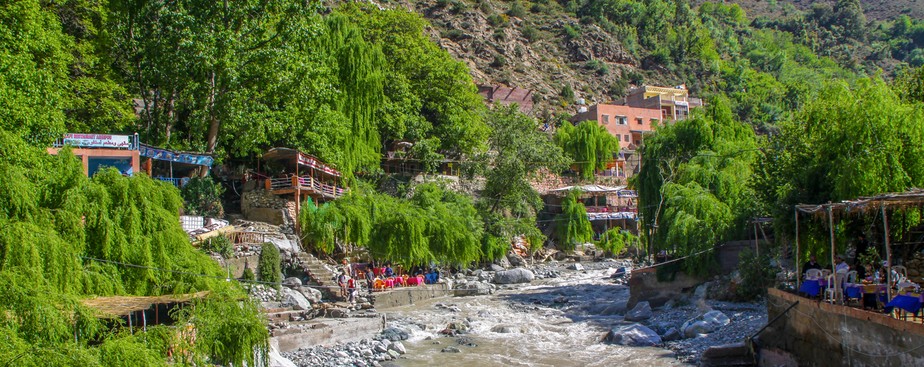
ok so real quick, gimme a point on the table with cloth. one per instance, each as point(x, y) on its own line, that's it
point(908, 302)
point(867, 293)
point(414, 281)
point(813, 287)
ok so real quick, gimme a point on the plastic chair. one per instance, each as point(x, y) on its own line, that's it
point(835, 289)
point(813, 274)
point(852, 277)
point(825, 273)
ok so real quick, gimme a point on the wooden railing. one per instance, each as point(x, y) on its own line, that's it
point(305, 183)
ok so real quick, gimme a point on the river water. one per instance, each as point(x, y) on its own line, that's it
point(549, 322)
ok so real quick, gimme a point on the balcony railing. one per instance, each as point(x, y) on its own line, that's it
point(307, 183)
point(178, 182)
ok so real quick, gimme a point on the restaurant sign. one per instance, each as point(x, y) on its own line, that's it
point(98, 141)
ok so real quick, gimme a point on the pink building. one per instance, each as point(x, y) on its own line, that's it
point(626, 123)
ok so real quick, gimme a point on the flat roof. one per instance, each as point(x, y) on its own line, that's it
point(115, 306)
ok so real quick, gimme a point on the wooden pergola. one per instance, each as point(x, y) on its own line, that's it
point(913, 197)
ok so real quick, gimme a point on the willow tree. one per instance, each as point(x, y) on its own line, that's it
point(588, 144)
point(695, 185)
point(851, 141)
point(572, 226)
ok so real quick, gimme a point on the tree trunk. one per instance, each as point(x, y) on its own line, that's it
point(170, 116)
point(212, 137)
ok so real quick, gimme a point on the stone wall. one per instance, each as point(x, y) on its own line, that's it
point(822, 334)
point(644, 286)
point(409, 295)
point(263, 206)
point(236, 265)
point(915, 268)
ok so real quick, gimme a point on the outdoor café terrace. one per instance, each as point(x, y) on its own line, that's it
point(887, 289)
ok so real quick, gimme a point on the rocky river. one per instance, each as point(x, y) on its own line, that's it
point(569, 315)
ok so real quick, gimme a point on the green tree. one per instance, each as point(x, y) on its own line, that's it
point(203, 197)
point(572, 227)
point(695, 183)
point(588, 144)
point(269, 264)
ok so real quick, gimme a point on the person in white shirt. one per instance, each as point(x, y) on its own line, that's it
point(841, 266)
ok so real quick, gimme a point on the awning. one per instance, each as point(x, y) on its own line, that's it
point(590, 189)
point(162, 154)
point(115, 306)
point(613, 215)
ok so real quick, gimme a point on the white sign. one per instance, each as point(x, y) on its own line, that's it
point(98, 140)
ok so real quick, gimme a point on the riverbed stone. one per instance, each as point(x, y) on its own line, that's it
point(292, 282)
point(716, 318)
point(503, 329)
point(635, 335)
point(472, 289)
point(312, 294)
point(397, 347)
point(671, 335)
point(641, 311)
point(576, 266)
point(696, 328)
point(295, 299)
point(495, 267)
point(513, 276)
point(394, 334)
point(451, 349)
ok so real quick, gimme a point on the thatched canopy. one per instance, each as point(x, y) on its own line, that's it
point(117, 306)
point(913, 197)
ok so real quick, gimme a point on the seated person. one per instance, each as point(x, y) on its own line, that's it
point(811, 264)
point(388, 271)
point(841, 266)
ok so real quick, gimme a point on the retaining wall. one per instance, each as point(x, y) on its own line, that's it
point(644, 286)
point(822, 334)
point(409, 295)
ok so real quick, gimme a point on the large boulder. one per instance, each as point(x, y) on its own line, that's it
point(671, 335)
point(472, 289)
point(576, 266)
point(716, 318)
point(312, 294)
point(512, 276)
point(397, 347)
point(295, 299)
point(515, 259)
point(635, 335)
point(692, 329)
point(393, 334)
point(495, 267)
point(292, 282)
point(641, 311)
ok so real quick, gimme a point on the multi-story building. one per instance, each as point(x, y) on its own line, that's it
point(674, 103)
point(626, 123)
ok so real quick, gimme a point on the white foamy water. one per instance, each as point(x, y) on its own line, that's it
point(551, 322)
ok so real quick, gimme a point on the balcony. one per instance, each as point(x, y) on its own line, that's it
point(306, 184)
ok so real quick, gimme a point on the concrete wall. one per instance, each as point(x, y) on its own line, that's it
point(729, 253)
point(822, 334)
point(407, 296)
point(644, 286)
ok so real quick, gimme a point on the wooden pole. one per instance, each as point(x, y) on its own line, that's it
point(885, 230)
point(798, 273)
point(831, 229)
point(756, 246)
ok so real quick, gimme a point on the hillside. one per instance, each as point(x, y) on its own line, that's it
point(597, 49)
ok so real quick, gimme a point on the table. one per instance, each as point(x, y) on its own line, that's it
point(390, 283)
point(413, 281)
point(905, 302)
point(811, 287)
point(399, 281)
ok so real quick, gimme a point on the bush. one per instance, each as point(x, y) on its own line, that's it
point(530, 33)
point(567, 93)
point(202, 196)
point(499, 61)
point(572, 32)
point(516, 10)
point(248, 275)
point(269, 264)
point(220, 245)
point(756, 275)
point(453, 34)
point(496, 20)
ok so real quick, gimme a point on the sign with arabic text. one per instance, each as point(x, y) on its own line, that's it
point(99, 141)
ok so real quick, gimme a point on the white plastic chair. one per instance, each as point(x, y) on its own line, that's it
point(813, 274)
point(834, 292)
point(852, 277)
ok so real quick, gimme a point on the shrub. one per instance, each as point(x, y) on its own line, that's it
point(269, 264)
point(516, 10)
point(248, 275)
point(572, 32)
point(756, 275)
point(530, 33)
point(499, 61)
point(567, 93)
point(202, 196)
point(497, 20)
point(453, 34)
point(220, 245)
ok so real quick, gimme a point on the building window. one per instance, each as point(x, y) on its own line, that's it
point(638, 120)
point(606, 119)
point(638, 142)
point(622, 120)
point(618, 137)
point(627, 139)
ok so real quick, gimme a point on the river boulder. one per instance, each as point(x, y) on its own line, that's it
point(641, 311)
point(292, 282)
point(312, 294)
point(692, 328)
point(513, 276)
point(294, 299)
point(635, 335)
point(472, 289)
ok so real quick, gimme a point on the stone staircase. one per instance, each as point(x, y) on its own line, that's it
point(320, 275)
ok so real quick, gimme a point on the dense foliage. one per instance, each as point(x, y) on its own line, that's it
point(572, 227)
point(202, 196)
point(269, 266)
point(589, 145)
point(616, 240)
point(695, 185)
point(67, 237)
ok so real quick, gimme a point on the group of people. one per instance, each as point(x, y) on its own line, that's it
point(348, 279)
